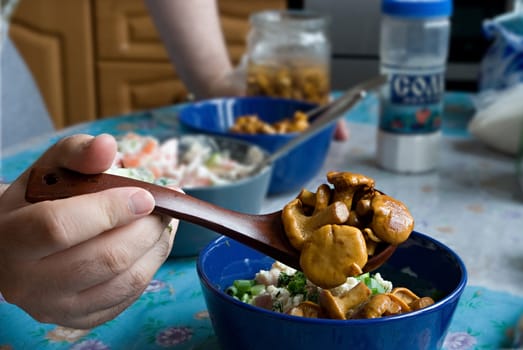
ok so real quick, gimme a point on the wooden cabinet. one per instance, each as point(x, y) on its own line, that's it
point(55, 38)
point(99, 58)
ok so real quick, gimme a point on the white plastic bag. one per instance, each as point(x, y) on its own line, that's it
point(499, 118)
point(500, 123)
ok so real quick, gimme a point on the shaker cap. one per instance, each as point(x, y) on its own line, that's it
point(417, 8)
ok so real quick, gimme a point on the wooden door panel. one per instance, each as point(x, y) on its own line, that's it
point(49, 72)
point(125, 31)
point(55, 39)
point(126, 87)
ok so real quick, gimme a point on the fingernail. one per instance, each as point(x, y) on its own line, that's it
point(141, 202)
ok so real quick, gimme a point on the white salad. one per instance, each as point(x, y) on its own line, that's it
point(184, 162)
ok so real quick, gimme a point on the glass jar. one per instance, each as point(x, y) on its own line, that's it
point(288, 55)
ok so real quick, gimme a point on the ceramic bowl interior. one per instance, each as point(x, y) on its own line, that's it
point(291, 172)
point(422, 264)
point(243, 195)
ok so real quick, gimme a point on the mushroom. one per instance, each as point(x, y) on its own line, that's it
point(315, 201)
point(391, 220)
point(377, 306)
point(307, 198)
point(299, 226)
point(323, 196)
point(404, 294)
point(306, 309)
point(338, 307)
point(346, 185)
point(409, 298)
point(421, 303)
point(332, 253)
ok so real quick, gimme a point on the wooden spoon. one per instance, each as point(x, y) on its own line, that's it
point(264, 233)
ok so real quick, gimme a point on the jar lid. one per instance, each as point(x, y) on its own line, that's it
point(417, 8)
point(299, 19)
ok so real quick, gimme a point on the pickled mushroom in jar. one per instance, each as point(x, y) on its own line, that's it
point(300, 81)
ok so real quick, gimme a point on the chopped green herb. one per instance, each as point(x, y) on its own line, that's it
point(295, 283)
point(245, 290)
point(371, 283)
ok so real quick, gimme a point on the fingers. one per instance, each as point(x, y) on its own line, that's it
point(106, 256)
point(104, 301)
point(129, 284)
point(341, 132)
point(83, 153)
point(52, 226)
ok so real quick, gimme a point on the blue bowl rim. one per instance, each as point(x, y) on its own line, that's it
point(244, 99)
point(450, 298)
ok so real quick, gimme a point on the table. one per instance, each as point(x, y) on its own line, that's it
point(472, 203)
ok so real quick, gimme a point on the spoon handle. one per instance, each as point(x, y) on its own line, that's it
point(262, 232)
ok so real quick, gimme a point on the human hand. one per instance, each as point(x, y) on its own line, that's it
point(80, 261)
point(341, 133)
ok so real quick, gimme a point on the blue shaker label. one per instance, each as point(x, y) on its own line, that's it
point(412, 103)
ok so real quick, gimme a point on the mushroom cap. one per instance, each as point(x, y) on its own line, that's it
point(345, 179)
point(391, 220)
point(299, 226)
point(307, 309)
point(338, 307)
point(333, 253)
point(294, 221)
point(346, 184)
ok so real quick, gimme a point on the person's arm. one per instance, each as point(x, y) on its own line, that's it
point(191, 32)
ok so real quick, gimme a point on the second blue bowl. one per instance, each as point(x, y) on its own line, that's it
point(291, 172)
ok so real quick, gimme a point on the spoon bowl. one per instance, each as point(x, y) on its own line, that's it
point(264, 233)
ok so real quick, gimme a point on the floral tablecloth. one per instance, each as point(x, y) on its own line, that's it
point(472, 203)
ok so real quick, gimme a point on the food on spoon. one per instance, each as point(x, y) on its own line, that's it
point(336, 229)
point(340, 226)
point(252, 124)
point(286, 290)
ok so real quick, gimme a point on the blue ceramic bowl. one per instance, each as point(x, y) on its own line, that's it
point(245, 195)
point(421, 264)
point(291, 172)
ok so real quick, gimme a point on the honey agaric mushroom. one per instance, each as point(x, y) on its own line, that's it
point(306, 309)
point(323, 196)
point(307, 198)
point(332, 253)
point(346, 185)
point(377, 306)
point(404, 294)
point(337, 307)
point(421, 303)
point(315, 201)
point(391, 220)
point(409, 298)
point(299, 227)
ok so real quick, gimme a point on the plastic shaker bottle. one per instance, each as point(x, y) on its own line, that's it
point(414, 45)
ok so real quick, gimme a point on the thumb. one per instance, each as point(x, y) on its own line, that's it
point(83, 153)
